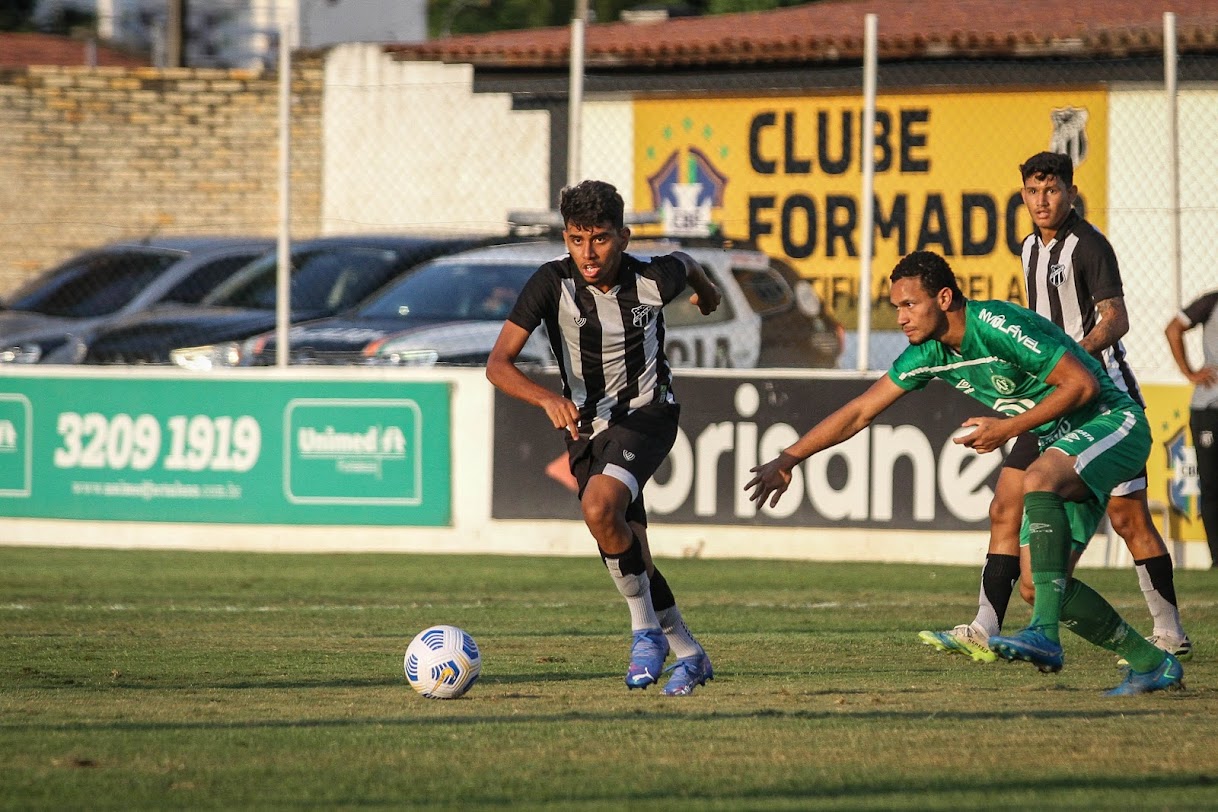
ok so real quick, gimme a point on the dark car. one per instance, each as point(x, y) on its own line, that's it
point(328, 275)
point(49, 318)
point(449, 311)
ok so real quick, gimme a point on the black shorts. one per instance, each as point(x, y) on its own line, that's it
point(630, 450)
point(1024, 453)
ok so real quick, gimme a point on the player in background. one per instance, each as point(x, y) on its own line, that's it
point(1092, 437)
point(1203, 407)
point(603, 312)
point(1073, 280)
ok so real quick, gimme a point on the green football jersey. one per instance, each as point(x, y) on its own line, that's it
point(1006, 354)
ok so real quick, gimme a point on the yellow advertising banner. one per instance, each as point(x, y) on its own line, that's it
point(785, 172)
point(1172, 467)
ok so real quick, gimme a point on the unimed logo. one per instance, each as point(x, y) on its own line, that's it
point(16, 452)
point(8, 437)
point(353, 452)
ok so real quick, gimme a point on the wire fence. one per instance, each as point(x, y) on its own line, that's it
point(771, 160)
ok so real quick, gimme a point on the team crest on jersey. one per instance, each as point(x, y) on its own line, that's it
point(1057, 274)
point(641, 314)
point(1002, 384)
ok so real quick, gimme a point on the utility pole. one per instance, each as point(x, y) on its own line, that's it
point(175, 33)
point(575, 94)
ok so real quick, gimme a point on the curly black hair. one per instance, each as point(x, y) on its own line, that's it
point(592, 203)
point(931, 270)
point(1046, 164)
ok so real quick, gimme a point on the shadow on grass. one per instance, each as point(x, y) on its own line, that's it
point(941, 791)
point(514, 719)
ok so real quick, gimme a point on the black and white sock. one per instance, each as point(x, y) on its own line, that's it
point(629, 574)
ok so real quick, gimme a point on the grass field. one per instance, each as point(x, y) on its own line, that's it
point(167, 680)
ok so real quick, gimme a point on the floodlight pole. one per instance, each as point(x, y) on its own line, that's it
point(283, 271)
point(867, 215)
point(1171, 89)
point(575, 95)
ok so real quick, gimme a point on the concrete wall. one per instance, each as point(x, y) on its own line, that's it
point(89, 156)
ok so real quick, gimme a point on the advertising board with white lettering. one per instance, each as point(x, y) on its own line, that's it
point(902, 472)
point(229, 451)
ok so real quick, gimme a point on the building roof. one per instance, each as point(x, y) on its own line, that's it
point(832, 31)
point(21, 50)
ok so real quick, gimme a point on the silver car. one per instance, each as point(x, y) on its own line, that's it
point(49, 318)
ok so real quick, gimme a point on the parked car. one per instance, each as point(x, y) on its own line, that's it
point(54, 313)
point(449, 311)
point(329, 275)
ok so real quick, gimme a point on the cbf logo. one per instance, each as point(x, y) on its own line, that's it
point(687, 185)
point(1069, 133)
point(1183, 489)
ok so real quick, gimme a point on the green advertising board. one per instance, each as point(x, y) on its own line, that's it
point(226, 451)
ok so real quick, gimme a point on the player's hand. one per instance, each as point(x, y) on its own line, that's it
point(563, 415)
point(771, 479)
point(989, 433)
point(708, 301)
point(1206, 376)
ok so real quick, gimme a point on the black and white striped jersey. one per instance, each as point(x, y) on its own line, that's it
point(1204, 311)
point(609, 346)
point(1067, 277)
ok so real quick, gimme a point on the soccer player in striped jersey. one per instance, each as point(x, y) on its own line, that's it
point(1092, 436)
point(603, 313)
point(1073, 280)
point(1203, 406)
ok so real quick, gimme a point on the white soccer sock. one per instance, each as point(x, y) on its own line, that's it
point(1166, 616)
point(680, 639)
point(636, 589)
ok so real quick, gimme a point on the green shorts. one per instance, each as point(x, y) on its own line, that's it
point(1109, 450)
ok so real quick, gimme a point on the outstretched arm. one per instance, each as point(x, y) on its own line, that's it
point(774, 476)
point(501, 370)
point(1073, 385)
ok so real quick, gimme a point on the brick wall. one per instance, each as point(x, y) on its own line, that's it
point(89, 156)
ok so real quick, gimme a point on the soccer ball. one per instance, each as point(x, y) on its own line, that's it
point(442, 662)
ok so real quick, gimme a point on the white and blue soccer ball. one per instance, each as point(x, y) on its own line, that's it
point(442, 662)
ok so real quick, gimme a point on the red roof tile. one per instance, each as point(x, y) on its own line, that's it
point(832, 30)
point(24, 50)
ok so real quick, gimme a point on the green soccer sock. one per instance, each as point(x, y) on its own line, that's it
point(1049, 544)
point(1087, 614)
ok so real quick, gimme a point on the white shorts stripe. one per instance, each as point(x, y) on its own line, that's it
point(625, 477)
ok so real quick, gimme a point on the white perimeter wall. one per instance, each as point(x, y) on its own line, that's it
point(473, 530)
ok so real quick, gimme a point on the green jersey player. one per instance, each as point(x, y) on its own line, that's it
point(1092, 435)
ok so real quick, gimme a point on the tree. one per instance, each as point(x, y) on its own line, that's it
point(17, 15)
